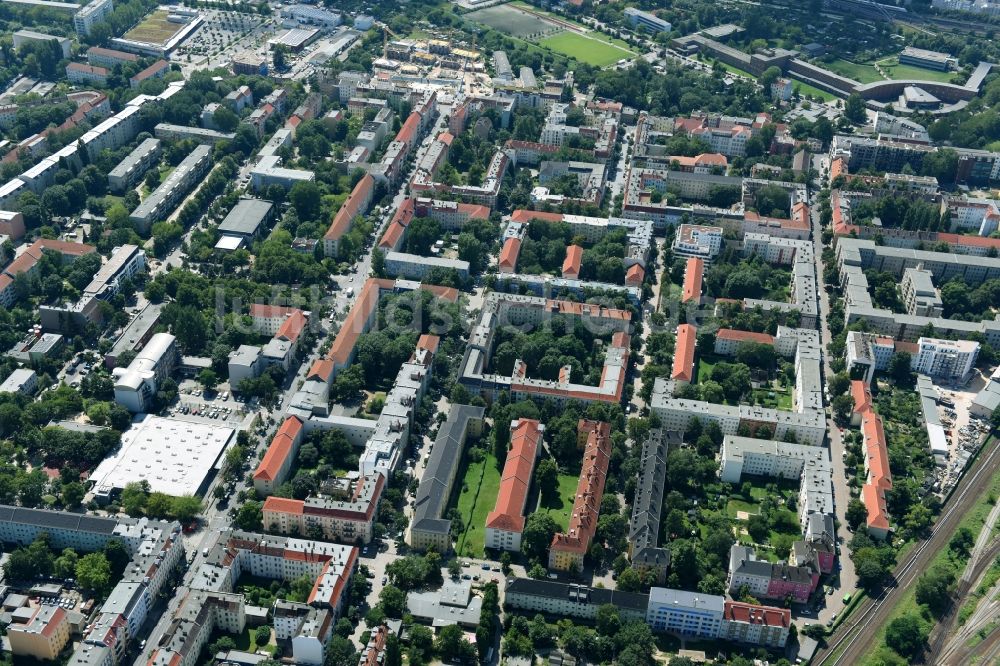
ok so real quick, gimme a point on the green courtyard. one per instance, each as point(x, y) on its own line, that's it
point(477, 497)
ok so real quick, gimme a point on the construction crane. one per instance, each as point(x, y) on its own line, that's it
point(386, 31)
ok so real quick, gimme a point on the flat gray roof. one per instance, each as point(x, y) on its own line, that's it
point(246, 217)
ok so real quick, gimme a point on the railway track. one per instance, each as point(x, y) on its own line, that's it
point(855, 636)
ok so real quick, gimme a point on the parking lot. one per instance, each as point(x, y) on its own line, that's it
point(224, 31)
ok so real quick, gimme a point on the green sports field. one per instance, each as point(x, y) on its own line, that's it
point(861, 72)
point(586, 48)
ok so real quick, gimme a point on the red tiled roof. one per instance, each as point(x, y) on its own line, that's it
point(65, 248)
point(838, 167)
point(508, 512)
point(408, 132)
point(355, 323)
point(153, 70)
point(446, 138)
point(684, 353)
point(589, 490)
point(767, 616)
point(862, 396)
point(800, 214)
point(351, 208)
point(571, 264)
point(693, 273)
point(874, 500)
point(283, 505)
point(111, 53)
point(744, 336)
point(397, 227)
point(970, 241)
point(270, 311)
point(292, 327)
point(508, 255)
point(704, 159)
point(86, 69)
point(634, 275)
point(524, 215)
point(22, 264)
point(428, 342)
point(321, 369)
point(279, 450)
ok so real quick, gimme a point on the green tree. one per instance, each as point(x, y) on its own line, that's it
point(907, 635)
point(854, 108)
point(65, 564)
point(185, 508)
point(934, 589)
point(305, 198)
point(547, 480)
point(608, 621)
point(72, 494)
point(393, 601)
point(134, 496)
point(93, 572)
point(451, 645)
point(208, 378)
point(538, 531)
point(262, 636)
point(250, 516)
point(857, 513)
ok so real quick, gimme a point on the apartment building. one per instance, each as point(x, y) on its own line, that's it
point(644, 548)
point(350, 519)
point(136, 385)
point(878, 478)
point(22, 381)
point(568, 548)
point(172, 190)
point(698, 241)
point(109, 58)
point(268, 171)
point(557, 599)
point(157, 70)
point(919, 294)
point(40, 632)
point(755, 625)
point(689, 614)
point(127, 173)
point(764, 580)
point(91, 13)
point(429, 528)
point(77, 72)
point(948, 361)
point(760, 457)
point(505, 522)
point(277, 461)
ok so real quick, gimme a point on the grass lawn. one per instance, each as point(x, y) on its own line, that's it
point(590, 48)
point(782, 398)
point(247, 641)
point(705, 364)
point(897, 71)
point(561, 507)
point(735, 505)
point(864, 73)
point(475, 501)
point(807, 90)
point(974, 519)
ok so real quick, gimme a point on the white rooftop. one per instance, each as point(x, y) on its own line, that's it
point(174, 455)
